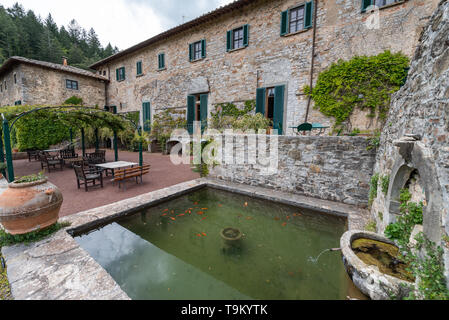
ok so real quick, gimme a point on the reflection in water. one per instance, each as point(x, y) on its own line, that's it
point(174, 251)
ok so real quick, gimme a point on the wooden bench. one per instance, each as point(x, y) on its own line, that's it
point(121, 176)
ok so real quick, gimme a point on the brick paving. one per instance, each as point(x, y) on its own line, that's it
point(162, 174)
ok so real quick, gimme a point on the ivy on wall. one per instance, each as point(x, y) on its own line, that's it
point(44, 128)
point(362, 82)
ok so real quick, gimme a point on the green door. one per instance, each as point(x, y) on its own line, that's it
point(190, 113)
point(203, 111)
point(278, 117)
point(146, 114)
point(260, 100)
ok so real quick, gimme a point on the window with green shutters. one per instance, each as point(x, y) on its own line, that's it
point(161, 61)
point(197, 50)
point(139, 68)
point(378, 3)
point(146, 115)
point(120, 74)
point(297, 19)
point(237, 38)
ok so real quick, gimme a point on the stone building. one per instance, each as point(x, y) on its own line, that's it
point(26, 81)
point(259, 49)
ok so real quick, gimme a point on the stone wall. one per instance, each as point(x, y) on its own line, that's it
point(37, 85)
point(329, 168)
point(420, 108)
point(269, 59)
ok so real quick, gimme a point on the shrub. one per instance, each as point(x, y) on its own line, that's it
point(74, 101)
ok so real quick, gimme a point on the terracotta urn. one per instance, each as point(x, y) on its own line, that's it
point(28, 207)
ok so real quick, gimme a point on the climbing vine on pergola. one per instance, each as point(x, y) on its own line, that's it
point(75, 117)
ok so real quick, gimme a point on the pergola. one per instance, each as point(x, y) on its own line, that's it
point(74, 117)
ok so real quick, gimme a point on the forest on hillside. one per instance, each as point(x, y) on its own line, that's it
point(22, 33)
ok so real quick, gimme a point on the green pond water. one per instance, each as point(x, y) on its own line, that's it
point(174, 251)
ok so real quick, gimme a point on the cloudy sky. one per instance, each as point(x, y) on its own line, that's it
point(124, 23)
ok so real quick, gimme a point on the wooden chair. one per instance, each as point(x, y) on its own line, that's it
point(97, 157)
point(121, 176)
point(48, 161)
point(68, 154)
point(86, 176)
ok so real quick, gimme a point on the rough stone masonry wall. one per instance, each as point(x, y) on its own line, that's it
point(269, 59)
point(329, 168)
point(422, 107)
point(38, 86)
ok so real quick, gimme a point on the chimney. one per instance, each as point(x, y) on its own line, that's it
point(64, 61)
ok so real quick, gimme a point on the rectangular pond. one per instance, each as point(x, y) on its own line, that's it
point(175, 251)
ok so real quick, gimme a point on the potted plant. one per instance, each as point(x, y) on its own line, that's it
point(2, 168)
point(30, 203)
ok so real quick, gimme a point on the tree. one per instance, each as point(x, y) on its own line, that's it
point(22, 33)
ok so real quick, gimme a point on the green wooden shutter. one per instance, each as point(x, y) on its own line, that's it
point(191, 52)
point(260, 100)
point(203, 48)
point(366, 4)
point(161, 61)
point(284, 23)
point(190, 113)
point(124, 73)
point(204, 111)
point(139, 68)
point(278, 118)
point(245, 35)
point(308, 20)
point(146, 114)
point(229, 44)
point(117, 74)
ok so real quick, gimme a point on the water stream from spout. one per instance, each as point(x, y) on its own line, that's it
point(315, 260)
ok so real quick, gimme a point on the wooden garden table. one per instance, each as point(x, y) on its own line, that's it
point(115, 165)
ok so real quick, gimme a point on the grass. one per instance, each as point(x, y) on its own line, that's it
point(8, 240)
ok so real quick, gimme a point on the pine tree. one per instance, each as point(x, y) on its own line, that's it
point(22, 33)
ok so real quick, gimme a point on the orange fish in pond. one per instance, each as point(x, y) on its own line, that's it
point(220, 205)
point(195, 203)
point(181, 215)
point(164, 214)
point(174, 219)
point(277, 219)
point(204, 218)
point(288, 217)
point(204, 234)
point(200, 213)
point(204, 209)
point(199, 235)
point(284, 224)
point(249, 218)
point(165, 210)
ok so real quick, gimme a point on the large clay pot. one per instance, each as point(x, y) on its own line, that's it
point(28, 207)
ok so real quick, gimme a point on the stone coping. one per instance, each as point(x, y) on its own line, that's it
point(57, 268)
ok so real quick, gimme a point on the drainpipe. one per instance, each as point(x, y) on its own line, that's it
point(313, 57)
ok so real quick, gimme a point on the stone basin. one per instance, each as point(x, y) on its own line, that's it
point(368, 277)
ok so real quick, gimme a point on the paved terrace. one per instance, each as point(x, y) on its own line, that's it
point(163, 174)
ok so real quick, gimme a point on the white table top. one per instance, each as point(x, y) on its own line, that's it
point(116, 165)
